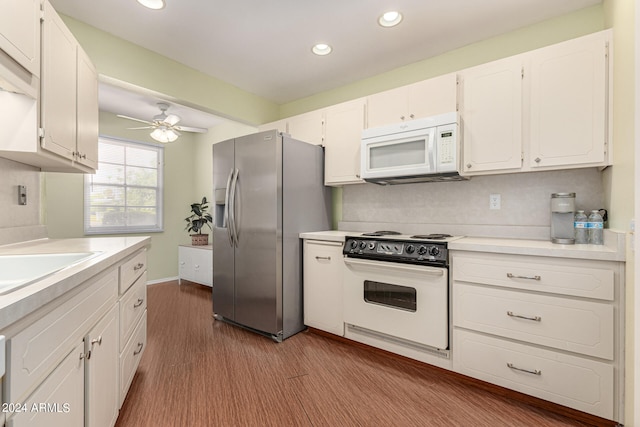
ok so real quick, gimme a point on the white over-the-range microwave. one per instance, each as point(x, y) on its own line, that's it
point(416, 151)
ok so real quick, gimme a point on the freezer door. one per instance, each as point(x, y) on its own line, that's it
point(223, 247)
point(258, 218)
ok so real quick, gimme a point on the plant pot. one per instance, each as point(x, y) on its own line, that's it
point(199, 239)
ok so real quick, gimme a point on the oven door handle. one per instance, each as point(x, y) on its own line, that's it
point(394, 266)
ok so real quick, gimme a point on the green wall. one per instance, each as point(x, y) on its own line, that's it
point(64, 197)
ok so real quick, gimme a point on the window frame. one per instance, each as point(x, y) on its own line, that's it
point(131, 229)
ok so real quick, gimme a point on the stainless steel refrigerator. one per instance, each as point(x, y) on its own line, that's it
point(268, 188)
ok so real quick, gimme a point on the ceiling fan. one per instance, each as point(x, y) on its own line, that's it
point(165, 127)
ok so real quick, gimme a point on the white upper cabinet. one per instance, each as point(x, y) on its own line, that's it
point(568, 108)
point(20, 46)
point(87, 116)
point(422, 99)
point(491, 116)
point(542, 110)
point(307, 127)
point(69, 98)
point(343, 131)
point(58, 95)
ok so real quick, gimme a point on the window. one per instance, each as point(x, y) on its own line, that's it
point(125, 194)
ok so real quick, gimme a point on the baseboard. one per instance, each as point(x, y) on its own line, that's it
point(166, 279)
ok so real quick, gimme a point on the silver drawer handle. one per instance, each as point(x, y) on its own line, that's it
point(139, 349)
point(96, 341)
point(513, 276)
point(138, 303)
point(534, 318)
point(328, 258)
point(528, 371)
point(138, 266)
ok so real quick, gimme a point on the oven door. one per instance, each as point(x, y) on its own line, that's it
point(401, 300)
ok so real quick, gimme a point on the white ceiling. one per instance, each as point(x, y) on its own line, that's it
point(264, 46)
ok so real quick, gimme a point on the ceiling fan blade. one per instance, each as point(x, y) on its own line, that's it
point(142, 127)
point(172, 119)
point(134, 119)
point(190, 129)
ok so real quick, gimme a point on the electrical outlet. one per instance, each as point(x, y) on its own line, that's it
point(494, 201)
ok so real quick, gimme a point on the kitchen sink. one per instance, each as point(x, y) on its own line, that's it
point(17, 271)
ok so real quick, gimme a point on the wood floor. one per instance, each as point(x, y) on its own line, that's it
point(199, 372)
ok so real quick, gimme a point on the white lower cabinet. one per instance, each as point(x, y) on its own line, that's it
point(101, 362)
point(195, 264)
point(64, 366)
point(59, 400)
point(578, 382)
point(322, 281)
point(547, 327)
point(133, 320)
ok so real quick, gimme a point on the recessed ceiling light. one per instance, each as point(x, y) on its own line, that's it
point(321, 49)
point(152, 4)
point(390, 19)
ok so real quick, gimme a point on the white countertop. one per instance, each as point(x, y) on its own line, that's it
point(23, 301)
point(612, 250)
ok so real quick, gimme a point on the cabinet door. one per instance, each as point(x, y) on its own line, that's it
point(59, 400)
point(387, 108)
point(307, 127)
point(568, 103)
point(323, 269)
point(185, 263)
point(20, 33)
point(433, 96)
point(58, 93)
point(343, 132)
point(203, 266)
point(87, 111)
point(101, 377)
point(492, 116)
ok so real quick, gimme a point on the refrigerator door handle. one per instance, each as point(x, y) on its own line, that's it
point(234, 192)
point(227, 201)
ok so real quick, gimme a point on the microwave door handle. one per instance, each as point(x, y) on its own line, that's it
point(432, 150)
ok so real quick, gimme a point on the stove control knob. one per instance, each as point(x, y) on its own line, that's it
point(363, 245)
point(354, 244)
point(372, 245)
point(410, 249)
point(422, 250)
point(434, 250)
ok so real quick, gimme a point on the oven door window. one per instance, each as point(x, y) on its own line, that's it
point(394, 296)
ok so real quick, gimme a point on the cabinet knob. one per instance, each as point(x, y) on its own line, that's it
point(538, 159)
point(139, 349)
point(412, 116)
point(401, 117)
point(138, 303)
point(138, 266)
point(469, 165)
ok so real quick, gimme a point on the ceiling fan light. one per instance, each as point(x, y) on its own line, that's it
point(390, 19)
point(164, 135)
point(153, 4)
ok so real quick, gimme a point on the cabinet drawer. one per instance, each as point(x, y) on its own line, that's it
point(132, 269)
point(132, 306)
point(576, 382)
point(36, 350)
point(558, 276)
point(580, 326)
point(130, 357)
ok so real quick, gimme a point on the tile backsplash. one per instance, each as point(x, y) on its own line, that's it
point(462, 207)
point(19, 222)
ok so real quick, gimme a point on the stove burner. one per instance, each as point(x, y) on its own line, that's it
point(381, 233)
point(431, 236)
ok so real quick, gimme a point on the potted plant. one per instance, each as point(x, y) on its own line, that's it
point(197, 220)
